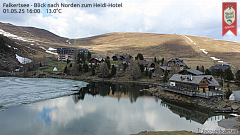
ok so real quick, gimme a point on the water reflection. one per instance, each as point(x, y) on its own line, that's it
point(102, 109)
point(116, 90)
point(198, 115)
point(132, 92)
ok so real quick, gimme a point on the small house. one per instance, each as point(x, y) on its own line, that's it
point(95, 61)
point(220, 67)
point(176, 62)
point(201, 83)
point(65, 54)
point(147, 64)
point(118, 57)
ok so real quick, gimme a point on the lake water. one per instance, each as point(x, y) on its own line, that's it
point(98, 109)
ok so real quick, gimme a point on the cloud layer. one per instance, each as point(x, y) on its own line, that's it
point(200, 18)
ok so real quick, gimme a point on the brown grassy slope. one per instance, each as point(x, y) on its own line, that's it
point(227, 51)
point(159, 45)
point(31, 33)
point(149, 44)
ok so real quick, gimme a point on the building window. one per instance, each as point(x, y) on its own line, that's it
point(203, 81)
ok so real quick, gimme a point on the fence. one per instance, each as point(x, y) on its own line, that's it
point(192, 93)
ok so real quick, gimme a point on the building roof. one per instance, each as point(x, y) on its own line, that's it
point(221, 66)
point(124, 56)
point(85, 50)
point(98, 59)
point(145, 63)
point(177, 60)
point(149, 60)
point(194, 72)
point(127, 60)
point(164, 68)
point(194, 79)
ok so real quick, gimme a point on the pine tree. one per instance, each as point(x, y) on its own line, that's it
point(125, 66)
point(197, 68)
point(202, 69)
point(207, 72)
point(65, 69)
point(79, 67)
point(89, 55)
point(150, 74)
point(228, 75)
point(238, 75)
point(228, 93)
point(155, 59)
point(93, 70)
point(68, 61)
point(162, 61)
point(140, 56)
point(85, 67)
point(141, 67)
point(238, 78)
point(165, 77)
point(213, 71)
point(113, 71)
point(107, 61)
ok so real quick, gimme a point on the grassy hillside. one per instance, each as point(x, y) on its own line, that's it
point(32, 33)
point(159, 45)
point(149, 44)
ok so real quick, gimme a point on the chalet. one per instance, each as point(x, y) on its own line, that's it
point(66, 53)
point(192, 72)
point(176, 63)
point(118, 57)
point(201, 83)
point(127, 61)
point(95, 61)
point(147, 64)
point(220, 67)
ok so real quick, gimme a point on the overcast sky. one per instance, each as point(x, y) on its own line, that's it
point(190, 17)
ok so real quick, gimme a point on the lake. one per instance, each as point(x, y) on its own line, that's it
point(97, 109)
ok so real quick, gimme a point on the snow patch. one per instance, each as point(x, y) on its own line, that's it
point(189, 39)
point(214, 58)
point(48, 51)
point(23, 60)
point(223, 62)
point(51, 49)
point(203, 50)
point(12, 36)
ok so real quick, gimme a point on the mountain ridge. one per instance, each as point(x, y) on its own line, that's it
point(189, 48)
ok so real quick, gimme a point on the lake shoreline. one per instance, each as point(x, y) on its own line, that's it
point(156, 90)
